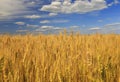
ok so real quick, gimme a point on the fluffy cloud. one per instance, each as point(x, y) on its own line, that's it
point(20, 23)
point(32, 16)
point(53, 14)
point(45, 21)
point(11, 8)
point(47, 27)
point(79, 6)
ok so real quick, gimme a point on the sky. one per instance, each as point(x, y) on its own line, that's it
point(54, 16)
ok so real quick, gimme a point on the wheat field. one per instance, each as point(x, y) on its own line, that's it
point(60, 58)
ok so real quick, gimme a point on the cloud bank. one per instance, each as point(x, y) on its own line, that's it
point(78, 6)
point(11, 8)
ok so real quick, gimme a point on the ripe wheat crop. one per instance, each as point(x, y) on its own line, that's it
point(60, 58)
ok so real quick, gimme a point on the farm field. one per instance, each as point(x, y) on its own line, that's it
point(60, 58)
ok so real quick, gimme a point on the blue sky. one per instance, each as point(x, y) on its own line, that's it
point(53, 16)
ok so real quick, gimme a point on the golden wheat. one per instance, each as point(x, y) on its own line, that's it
point(60, 58)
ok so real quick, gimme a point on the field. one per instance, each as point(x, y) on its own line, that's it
point(60, 58)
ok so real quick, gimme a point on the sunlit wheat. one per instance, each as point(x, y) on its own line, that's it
point(60, 58)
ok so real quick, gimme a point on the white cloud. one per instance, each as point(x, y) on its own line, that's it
point(20, 23)
point(32, 26)
point(11, 8)
point(114, 2)
point(48, 28)
point(54, 21)
point(95, 28)
point(73, 27)
point(45, 21)
point(32, 16)
point(53, 14)
point(108, 28)
point(113, 25)
point(32, 3)
point(43, 28)
point(58, 28)
point(79, 6)
point(39, 30)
